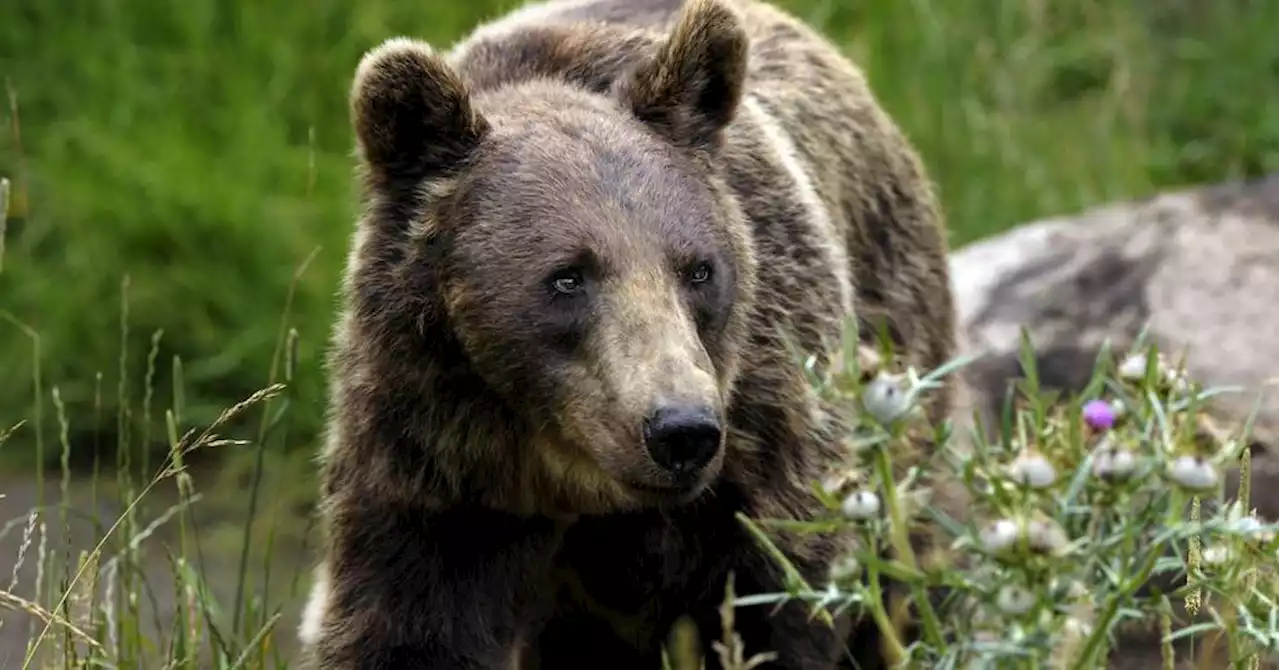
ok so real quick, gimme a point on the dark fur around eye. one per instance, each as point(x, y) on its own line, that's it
point(709, 291)
point(563, 322)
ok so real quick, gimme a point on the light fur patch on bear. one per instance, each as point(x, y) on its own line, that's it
point(313, 612)
point(430, 191)
point(832, 242)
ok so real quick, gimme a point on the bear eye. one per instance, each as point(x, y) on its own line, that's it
point(567, 282)
point(701, 274)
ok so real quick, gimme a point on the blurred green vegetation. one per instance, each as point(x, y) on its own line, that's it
point(202, 150)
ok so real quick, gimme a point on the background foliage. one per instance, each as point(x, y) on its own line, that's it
point(202, 150)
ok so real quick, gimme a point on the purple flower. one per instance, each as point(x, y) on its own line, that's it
point(1098, 414)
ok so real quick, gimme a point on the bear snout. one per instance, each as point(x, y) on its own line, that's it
point(683, 439)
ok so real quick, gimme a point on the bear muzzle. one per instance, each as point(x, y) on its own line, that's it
point(682, 440)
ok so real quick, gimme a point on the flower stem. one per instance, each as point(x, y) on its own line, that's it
point(895, 649)
point(901, 543)
point(1103, 623)
point(897, 528)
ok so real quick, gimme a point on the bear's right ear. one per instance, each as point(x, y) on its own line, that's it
point(690, 90)
point(412, 113)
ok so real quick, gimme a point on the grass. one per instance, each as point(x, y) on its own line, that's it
point(102, 606)
point(189, 170)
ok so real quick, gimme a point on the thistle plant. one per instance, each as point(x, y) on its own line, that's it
point(1082, 517)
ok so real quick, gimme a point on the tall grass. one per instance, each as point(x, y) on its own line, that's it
point(109, 605)
point(140, 591)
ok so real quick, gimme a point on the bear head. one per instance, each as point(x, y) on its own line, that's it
point(578, 250)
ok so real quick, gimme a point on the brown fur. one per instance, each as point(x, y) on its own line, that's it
point(487, 491)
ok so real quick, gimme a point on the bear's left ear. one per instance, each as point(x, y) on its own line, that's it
point(691, 88)
point(412, 113)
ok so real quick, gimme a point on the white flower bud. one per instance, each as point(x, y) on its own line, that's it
point(844, 569)
point(1034, 470)
point(885, 398)
point(1215, 555)
point(1114, 464)
point(1045, 537)
point(1133, 368)
point(1014, 600)
point(861, 505)
point(1193, 473)
point(1176, 380)
point(999, 536)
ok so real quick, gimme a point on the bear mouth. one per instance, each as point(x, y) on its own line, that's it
point(671, 494)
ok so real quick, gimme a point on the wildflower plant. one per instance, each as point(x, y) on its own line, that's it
point(1083, 516)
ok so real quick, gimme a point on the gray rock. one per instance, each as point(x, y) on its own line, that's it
point(1199, 268)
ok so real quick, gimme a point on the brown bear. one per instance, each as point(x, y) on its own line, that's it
point(595, 235)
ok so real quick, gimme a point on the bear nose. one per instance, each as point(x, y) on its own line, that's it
point(682, 439)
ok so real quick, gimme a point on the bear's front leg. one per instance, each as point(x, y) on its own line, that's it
point(410, 589)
